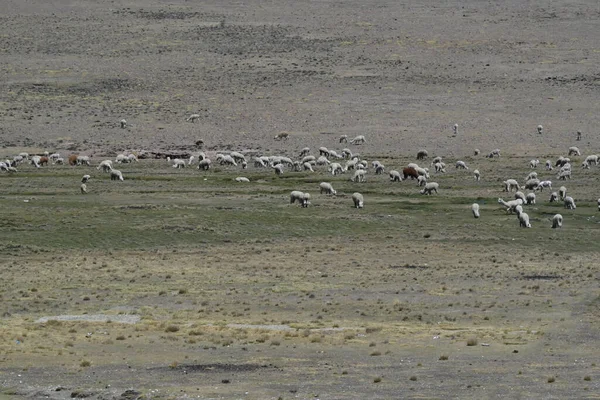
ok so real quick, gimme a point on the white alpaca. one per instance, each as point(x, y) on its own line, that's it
point(83, 188)
point(116, 175)
point(477, 175)
point(524, 220)
point(557, 221)
point(530, 199)
point(358, 200)
point(534, 163)
point(461, 164)
point(300, 197)
point(204, 164)
point(242, 179)
point(430, 188)
point(336, 168)
point(359, 176)
point(327, 188)
point(85, 178)
point(193, 118)
point(360, 139)
point(395, 176)
point(553, 197)
point(511, 184)
point(549, 165)
point(475, 210)
point(570, 203)
point(562, 192)
point(511, 205)
point(304, 152)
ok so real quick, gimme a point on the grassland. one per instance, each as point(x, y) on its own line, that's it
point(240, 292)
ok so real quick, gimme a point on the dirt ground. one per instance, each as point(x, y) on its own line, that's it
point(180, 284)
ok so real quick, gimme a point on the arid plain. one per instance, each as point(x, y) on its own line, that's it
point(181, 283)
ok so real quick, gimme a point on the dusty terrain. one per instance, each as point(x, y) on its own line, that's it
point(182, 283)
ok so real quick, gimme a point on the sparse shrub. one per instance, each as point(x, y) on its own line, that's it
point(376, 353)
point(172, 329)
point(472, 341)
point(551, 379)
point(443, 357)
point(377, 379)
point(85, 364)
point(121, 337)
point(413, 378)
point(587, 378)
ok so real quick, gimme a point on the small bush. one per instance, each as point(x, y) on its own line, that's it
point(472, 341)
point(551, 379)
point(377, 380)
point(443, 357)
point(85, 364)
point(172, 329)
point(413, 378)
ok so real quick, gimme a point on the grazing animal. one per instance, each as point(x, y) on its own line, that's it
point(534, 163)
point(123, 123)
point(359, 176)
point(511, 205)
point(336, 168)
point(323, 151)
point(360, 139)
point(570, 203)
point(544, 184)
point(327, 188)
point(307, 166)
point(242, 179)
point(511, 184)
point(477, 175)
point(193, 118)
point(524, 220)
point(85, 178)
point(422, 154)
point(204, 164)
point(178, 163)
point(461, 164)
point(73, 159)
point(105, 166)
point(531, 184)
point(494, 153)
point(455, 129)
point(304, 152)
point(278, 169)
point(302, 198)
point(430, 188)
point(475, 210)
point(549, 165)
point(344, 139)
point(540, 129)
point(83, 188)
point(476, 152)
point(578, 136)
point(574, 151)
point(557, 221)
point(410, 171)
point(358, 200)
point(562, 192)
point(282, 136)
point(421, 180)
point(553, 197)
point(116, 175)
point(530, 199)
point(395, 176)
